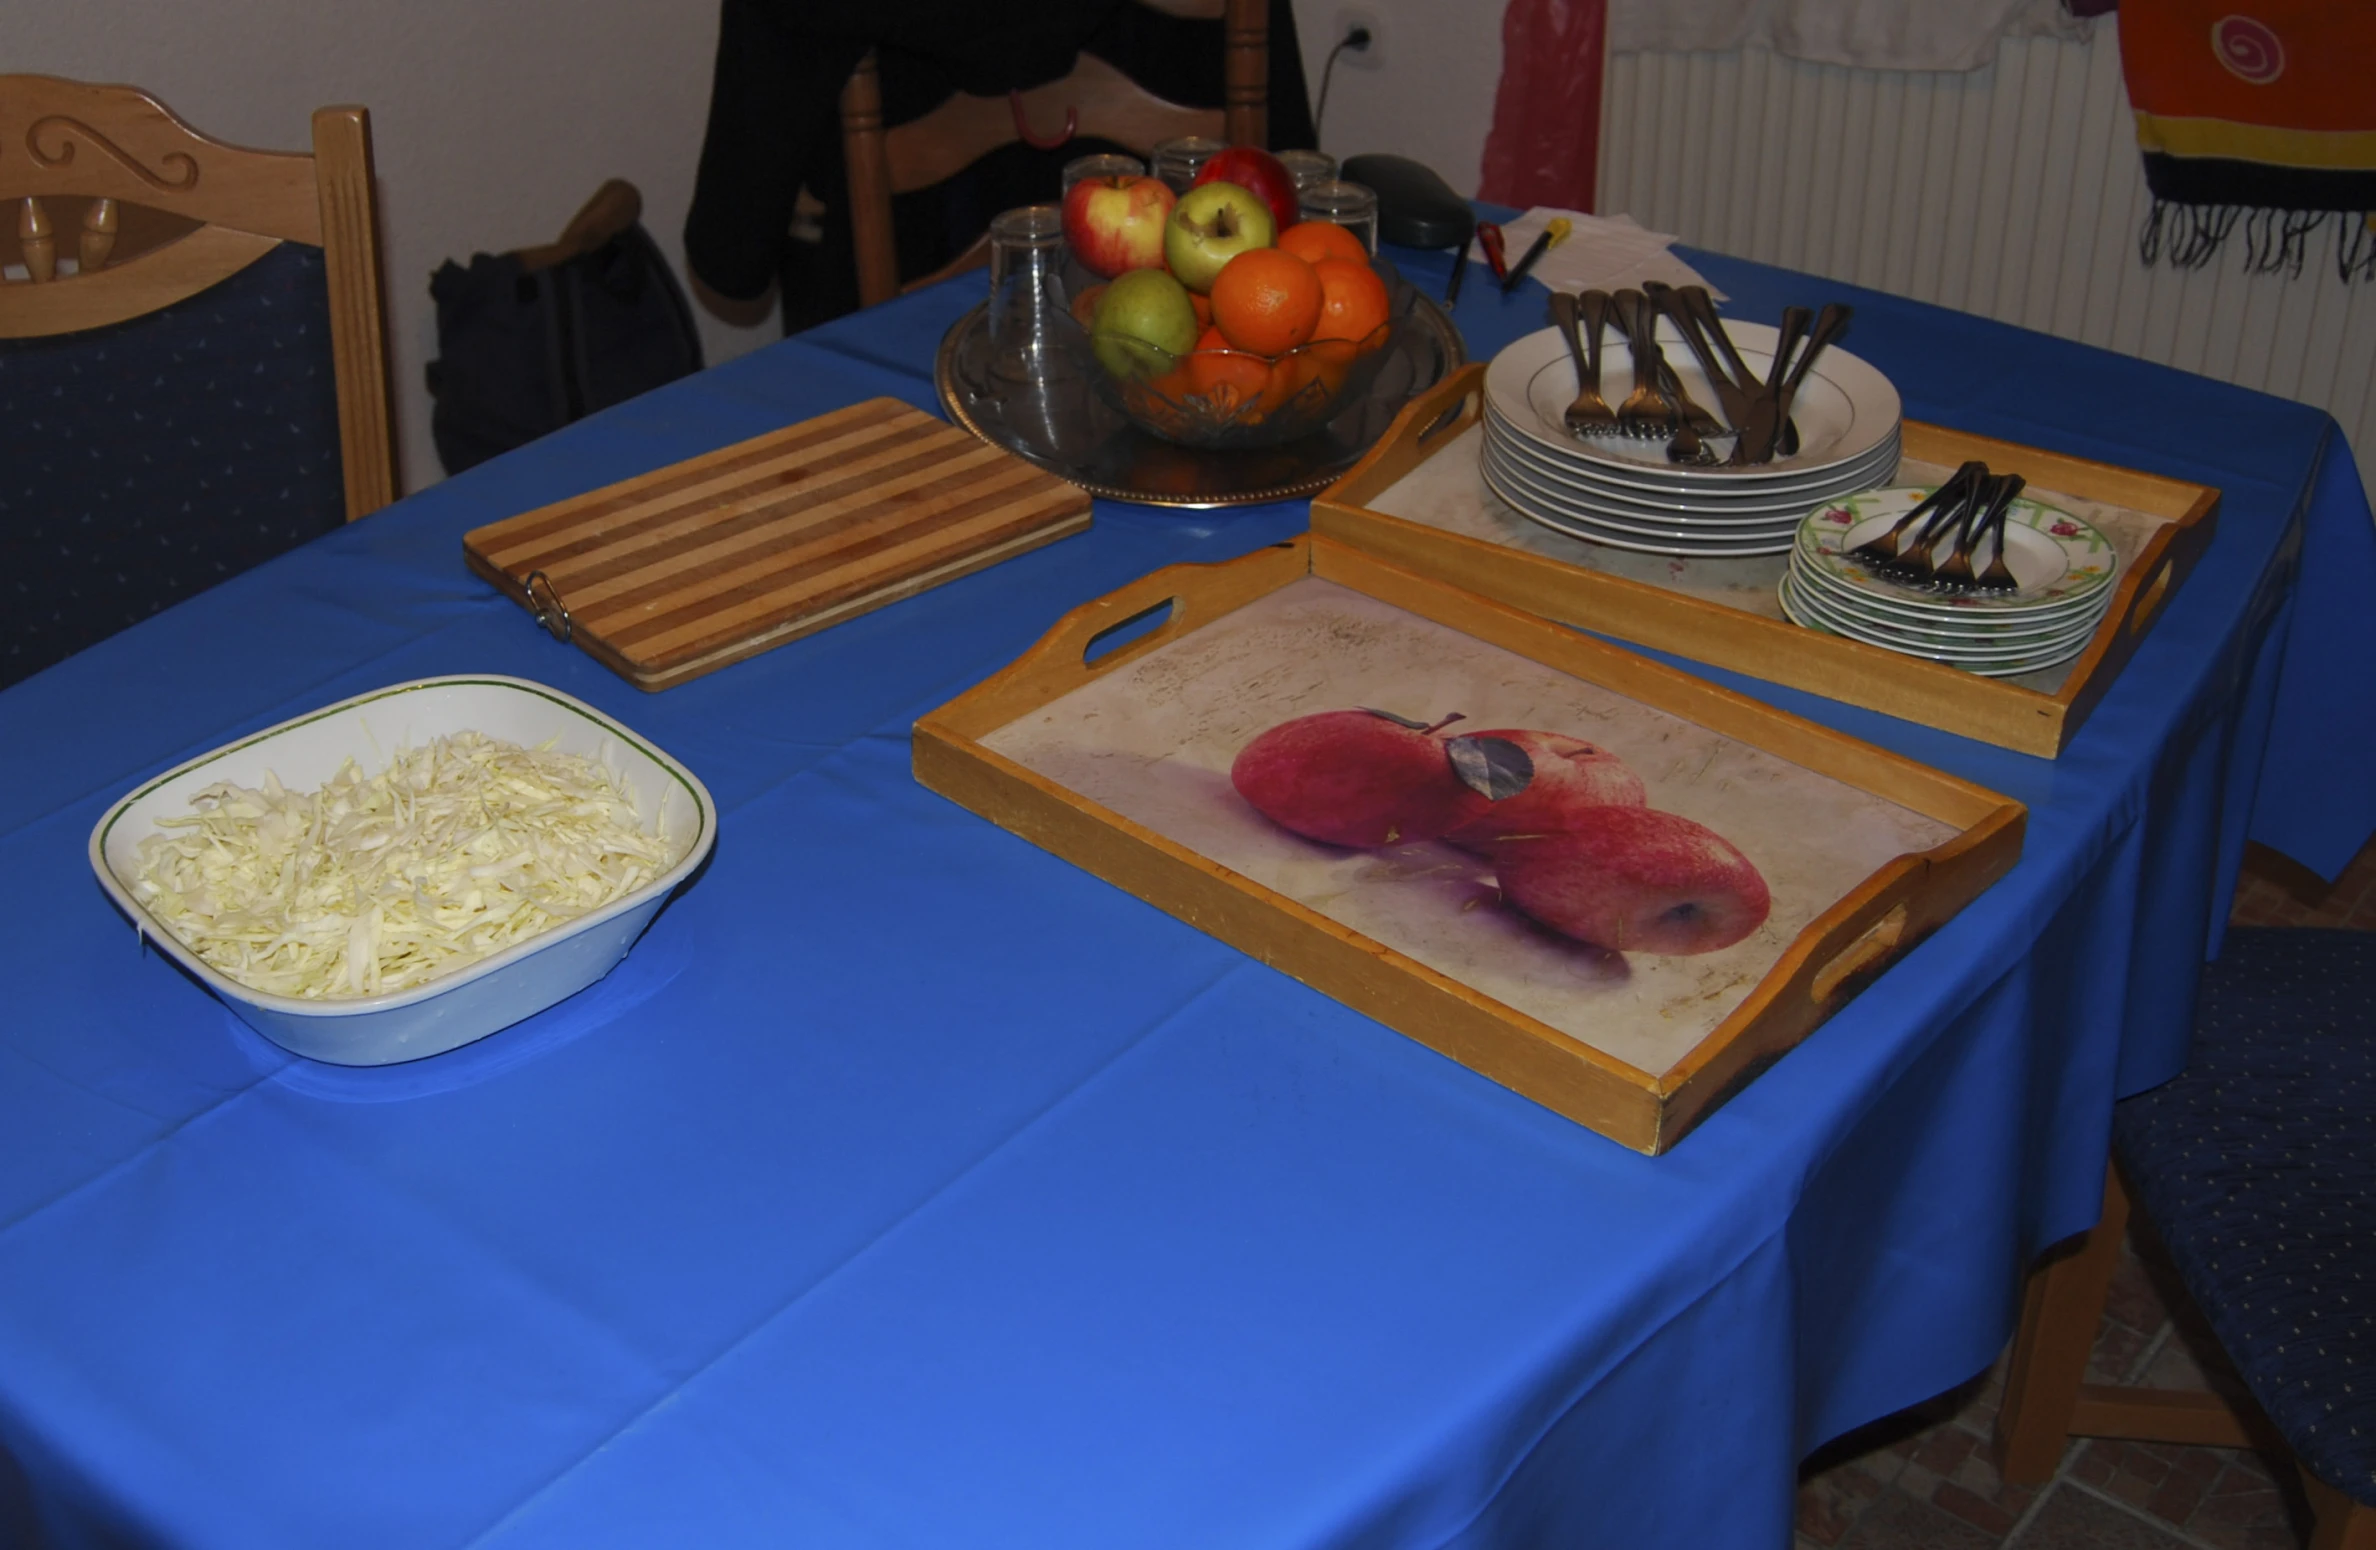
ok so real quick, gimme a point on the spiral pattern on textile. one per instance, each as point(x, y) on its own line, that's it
point(2248, 48)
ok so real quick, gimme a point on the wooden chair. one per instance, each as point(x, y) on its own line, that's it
point(1096, 101)
point(118, 209)
point(2257, 1165)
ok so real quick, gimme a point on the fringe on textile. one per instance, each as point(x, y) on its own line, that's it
point(2190, 236)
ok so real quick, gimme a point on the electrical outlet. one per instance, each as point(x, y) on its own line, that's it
point(1371, 58)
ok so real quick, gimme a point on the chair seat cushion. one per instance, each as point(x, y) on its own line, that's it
point(2258, 1167)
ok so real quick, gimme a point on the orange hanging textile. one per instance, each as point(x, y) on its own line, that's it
point(2256, 113)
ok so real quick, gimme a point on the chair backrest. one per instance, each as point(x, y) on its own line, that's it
point(111, 209)
point(1096, 101)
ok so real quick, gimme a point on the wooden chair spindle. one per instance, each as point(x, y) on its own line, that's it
point(98, 235)
point(37, 239)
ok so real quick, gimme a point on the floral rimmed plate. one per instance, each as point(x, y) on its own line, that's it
point(1798, 613)
point(1861, 627)
point(1964, 625)
point(2056, 558)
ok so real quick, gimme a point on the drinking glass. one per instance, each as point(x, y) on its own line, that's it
point(1309, 167)
point(1350, 205)
point(1027, 292)
point(1177, 161)
point(1081, 168)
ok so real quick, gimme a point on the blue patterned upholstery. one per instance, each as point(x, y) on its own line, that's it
point(148, 460)
point(2258, 1168)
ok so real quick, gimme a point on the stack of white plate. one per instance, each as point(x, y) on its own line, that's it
point(2063, 564)
point(1623, 492)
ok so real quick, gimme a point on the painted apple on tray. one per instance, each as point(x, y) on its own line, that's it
point(1564, 822)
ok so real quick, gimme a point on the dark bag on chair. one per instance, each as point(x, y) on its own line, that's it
point(529, 341)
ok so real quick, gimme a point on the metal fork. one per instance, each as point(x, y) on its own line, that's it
point(1691, 422)
point(1954, 574)
point(1645, 412)
point(1998, 576)
point(1886, 551)
point(1590, 414)
point(1729, 394)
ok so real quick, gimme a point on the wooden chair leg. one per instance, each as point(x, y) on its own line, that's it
point(866, 153)
point(2060, 1310)
point(2341, 1523)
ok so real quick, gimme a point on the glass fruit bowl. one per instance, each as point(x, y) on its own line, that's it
point(1232, 398)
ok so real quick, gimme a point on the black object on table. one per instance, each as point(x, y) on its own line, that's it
point(1416, 208)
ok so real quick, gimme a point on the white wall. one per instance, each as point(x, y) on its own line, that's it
point(1429, 95)
point(492, 122)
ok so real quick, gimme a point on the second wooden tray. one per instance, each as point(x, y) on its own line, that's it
point(1489, 550)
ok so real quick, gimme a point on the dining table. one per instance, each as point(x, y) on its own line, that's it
point(907, 1185)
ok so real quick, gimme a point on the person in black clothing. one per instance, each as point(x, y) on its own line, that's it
point(774, 123)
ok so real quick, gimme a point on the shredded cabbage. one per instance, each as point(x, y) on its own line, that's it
point(374, 884)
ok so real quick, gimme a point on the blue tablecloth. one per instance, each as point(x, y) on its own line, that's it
point(908, 1186)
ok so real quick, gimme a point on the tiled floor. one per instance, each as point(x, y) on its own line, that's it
point(1923, 1480)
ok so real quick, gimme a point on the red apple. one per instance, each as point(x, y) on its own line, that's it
point(1212, 224)
point(1253, 168)
point(1634, 879)
point(1355, 777)
point(1570, 775)
point(1115, 224)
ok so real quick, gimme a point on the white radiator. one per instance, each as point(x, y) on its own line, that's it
point(2014, 192)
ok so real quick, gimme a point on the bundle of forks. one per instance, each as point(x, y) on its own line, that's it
point(1933, 546)
point(1756, 414)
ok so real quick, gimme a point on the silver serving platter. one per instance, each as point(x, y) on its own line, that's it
point(1066, 429)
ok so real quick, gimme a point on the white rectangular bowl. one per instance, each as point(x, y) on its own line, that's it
point(471, 1002)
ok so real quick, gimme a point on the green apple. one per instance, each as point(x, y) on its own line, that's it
point(1143, 323)
point(1212, 224)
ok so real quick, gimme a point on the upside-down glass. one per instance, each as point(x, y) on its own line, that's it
point(1177, 161)
point(1350, 205)
point(1082, 168)
point(1309, 167)
point(1027, 293)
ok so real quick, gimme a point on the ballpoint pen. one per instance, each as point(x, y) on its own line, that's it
point(1553, 235)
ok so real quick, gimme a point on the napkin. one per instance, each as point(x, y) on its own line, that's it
point(1603, 252)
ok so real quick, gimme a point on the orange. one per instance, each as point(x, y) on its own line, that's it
point(1313, 241)
point(1323, 362)
point(1225, 377)
point(1203, 306)
point(1266, 301)
point(1353, 299)
point(1084, 306)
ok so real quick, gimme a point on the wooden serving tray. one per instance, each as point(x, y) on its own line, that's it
point(683, 570)
point(1119, 760)
point(1411, 501)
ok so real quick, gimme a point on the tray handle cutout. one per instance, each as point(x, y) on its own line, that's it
point(1454, 416)
point(1139, 625)
point(1868, 951)
point(2150, 602)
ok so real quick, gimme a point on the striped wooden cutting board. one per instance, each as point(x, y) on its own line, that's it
point(688, 568)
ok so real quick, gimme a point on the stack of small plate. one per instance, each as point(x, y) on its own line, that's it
point(1622, 492)
point(2063, 564)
